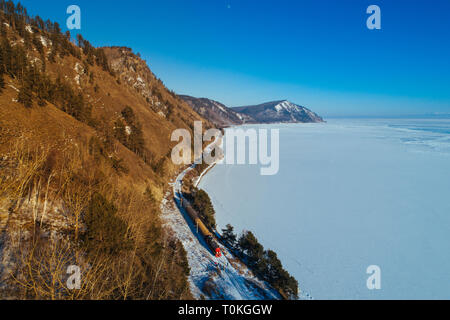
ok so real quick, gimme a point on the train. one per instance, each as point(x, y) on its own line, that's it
point(204, 231)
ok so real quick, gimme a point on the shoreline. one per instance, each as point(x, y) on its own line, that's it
point(212, 165)
point(204, 172)
point(224, 278)
point(302, 295)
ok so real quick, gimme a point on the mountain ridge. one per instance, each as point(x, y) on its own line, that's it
point(279, 111)
point(214, 111)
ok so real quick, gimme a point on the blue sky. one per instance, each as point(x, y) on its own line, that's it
point(312, 52)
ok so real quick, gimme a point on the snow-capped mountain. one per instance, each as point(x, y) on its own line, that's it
point(279, 111)
point(270, 112)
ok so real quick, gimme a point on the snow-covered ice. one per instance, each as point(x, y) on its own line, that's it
point(350, 194)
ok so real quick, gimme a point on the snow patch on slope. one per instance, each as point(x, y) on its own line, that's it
point(287, 106)
point(219, 107)
point(45, 42)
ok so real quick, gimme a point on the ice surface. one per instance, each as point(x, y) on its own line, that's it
point(350, 194)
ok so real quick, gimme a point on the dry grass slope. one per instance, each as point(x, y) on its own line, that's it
point(53, 166)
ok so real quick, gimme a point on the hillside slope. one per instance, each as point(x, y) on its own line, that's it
point(84, 163)
point(214, 111)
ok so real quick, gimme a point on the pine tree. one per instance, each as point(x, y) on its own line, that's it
point(252, 250)
point(228, 235)
point(18, 62)
point(25, 95)
point(2, 28)
point(6, 55)
point(38, 44)
point(52, 56)
point(106, 232)
point(2, 70)
point(42, 90)
point(2, 82)
point(202, 203)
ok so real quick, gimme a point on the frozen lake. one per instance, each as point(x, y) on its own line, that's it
point(350, 194)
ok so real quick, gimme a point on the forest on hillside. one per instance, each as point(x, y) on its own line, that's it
point(70, 190)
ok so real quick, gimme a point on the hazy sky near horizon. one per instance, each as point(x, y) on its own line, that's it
point(312, 52)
